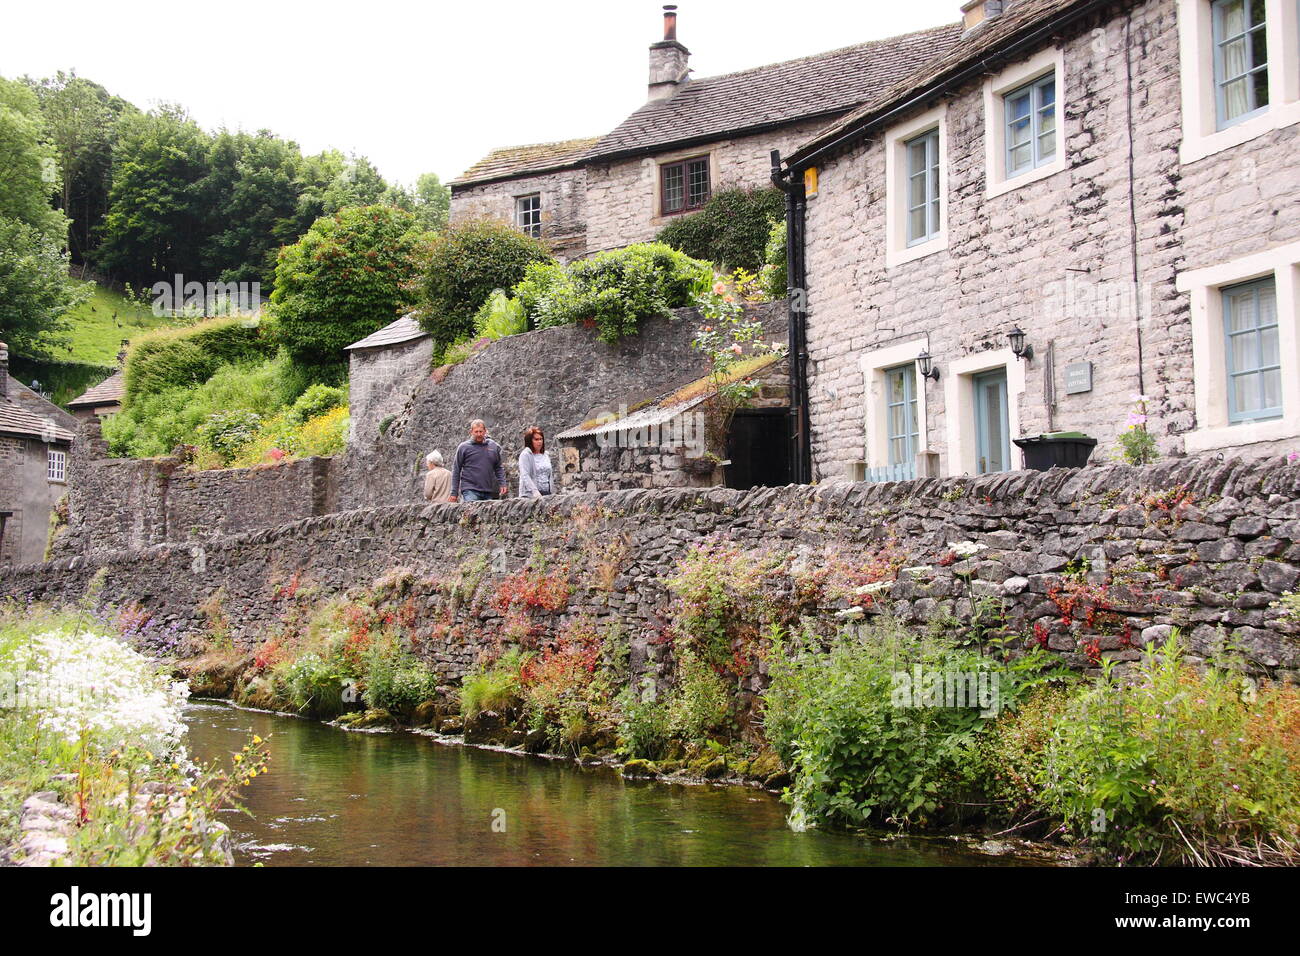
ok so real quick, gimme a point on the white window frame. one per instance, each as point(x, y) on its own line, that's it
point(1214, 430)
point(897, 248)
point(56, 466)
point(959, 407)
point(530, 229)
point(1201, 134)
point(874, 365)
point(996, 89)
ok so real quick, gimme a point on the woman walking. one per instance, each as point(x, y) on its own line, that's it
point(535, 473)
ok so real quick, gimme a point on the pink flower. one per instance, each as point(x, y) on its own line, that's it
point(1293, 457)
point(736, 348)
point(275, 454)
point(719, 288)
point(1135, 419)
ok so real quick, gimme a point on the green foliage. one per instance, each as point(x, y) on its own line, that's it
point(187, 357)
point(499, 317)
point(774, 272)
point(719, 599)
point(465, 265)
point(315, 401)
point(29, 165)
point(1137, 445)
point(432, 202)
point(1289, 602)
point(492, 687)
point(614, 290)
point(315, 686)
point(396, 680)
point(860, 753)
point(701, 703)
point(227, 431)
point(644, 726)
point(35, 291)
point(731, 231)
point(349, 276)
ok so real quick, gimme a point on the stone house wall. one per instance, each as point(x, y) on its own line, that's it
point(380, 381)
point(623, 195)
point(1197, 544)
point(27, 492)
point(1054, 256)
point(564, 198)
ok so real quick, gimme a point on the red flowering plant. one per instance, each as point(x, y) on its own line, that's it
point(566, 691)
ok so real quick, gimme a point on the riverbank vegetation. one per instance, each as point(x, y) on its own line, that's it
point(93, 767)
point(785, 670)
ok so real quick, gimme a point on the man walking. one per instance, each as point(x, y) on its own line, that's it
point(476, 472)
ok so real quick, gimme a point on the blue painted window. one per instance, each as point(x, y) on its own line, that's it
point(1240, 60)
point(922, 187)
point(903, 423)
point(1030, 114)
point(1254, 359)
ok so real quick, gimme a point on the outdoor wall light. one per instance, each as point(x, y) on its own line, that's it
point(1017, 339)
point(925, 364)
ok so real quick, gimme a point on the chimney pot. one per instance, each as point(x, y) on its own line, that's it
point(669, 60)
point(670, 21)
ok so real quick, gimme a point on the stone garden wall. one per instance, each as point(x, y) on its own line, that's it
point(1197, 544)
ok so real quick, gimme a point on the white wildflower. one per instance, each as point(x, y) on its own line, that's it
point(851, 614)
point(967, 549)
point(874, 588)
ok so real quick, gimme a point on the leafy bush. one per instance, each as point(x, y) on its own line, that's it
point(350, 275)
point(396, 680)
point(465, 264)
point(315, 401)
point(315, 686)
point(644, 726)
point(613, 290)
point(701, 703)
point(188, 357)
point(861, 756)
point(1181, 766)
point(500, 316)
point(226, 432)
point(732, 229)
point(719, 600)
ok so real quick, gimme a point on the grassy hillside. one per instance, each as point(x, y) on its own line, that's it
point(96, 328)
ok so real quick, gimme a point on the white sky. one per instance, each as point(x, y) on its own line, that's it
point(421, 87)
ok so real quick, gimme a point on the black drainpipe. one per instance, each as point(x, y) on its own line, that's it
point(800, 451)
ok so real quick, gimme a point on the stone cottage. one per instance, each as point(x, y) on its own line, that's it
point(691, 138)
point(1077, 203)
point(35, 438)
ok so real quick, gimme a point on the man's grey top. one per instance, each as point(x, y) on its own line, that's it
point(477, 467)
point(534, 474)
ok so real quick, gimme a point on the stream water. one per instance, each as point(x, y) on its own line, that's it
point(334, 798)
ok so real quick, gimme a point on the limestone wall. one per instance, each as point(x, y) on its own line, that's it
point(564, 197)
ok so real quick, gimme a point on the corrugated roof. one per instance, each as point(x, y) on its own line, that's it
point(16, 420)
point(405, 329)
point(980, 42)
point(820, 85)
point(645, 418)
point(518, 160)
point(109, 391)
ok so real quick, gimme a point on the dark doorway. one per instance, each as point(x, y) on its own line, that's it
point(758, 447)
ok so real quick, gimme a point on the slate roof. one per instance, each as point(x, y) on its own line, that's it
point(781, 93)
point(520, 160)
point(984, 41)
point(108, 392)
point(16, 420)
point(405, 329)
point(644, 418)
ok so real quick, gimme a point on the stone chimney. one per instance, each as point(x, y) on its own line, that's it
point(4, 371)
point(975, 12)
point(668, 59)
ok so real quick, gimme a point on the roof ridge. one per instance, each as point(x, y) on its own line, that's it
point(825, 53)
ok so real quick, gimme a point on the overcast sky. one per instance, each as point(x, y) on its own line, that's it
point(420, 87)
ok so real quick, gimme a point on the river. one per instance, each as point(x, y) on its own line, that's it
point(338, 798)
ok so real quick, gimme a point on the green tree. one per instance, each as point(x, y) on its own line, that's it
point(29, 169)
point(155, 224)
point(432, 202)
point(350, 275)
point(35, 291)
point(466, 264)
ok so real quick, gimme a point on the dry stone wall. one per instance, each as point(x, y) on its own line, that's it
point(1205, 546)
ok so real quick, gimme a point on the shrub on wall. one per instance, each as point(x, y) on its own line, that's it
point(774, 274)
point(731, 230)
point(615, 290)
point(465, 264)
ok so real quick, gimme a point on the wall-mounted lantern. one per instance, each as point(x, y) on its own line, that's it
point(925, 364)
point(1017, 339)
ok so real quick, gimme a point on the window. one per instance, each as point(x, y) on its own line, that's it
point(1252, 351)
point(56, 468)
point(1030, 117)
point(982, 396)
point(528, 214)
point(923, 187)
point(1239, 65)
point(1245, 317)
point(916, 187)
point(1024, 132)
point(684, 186)
point(1240, 59)
point(901, 416)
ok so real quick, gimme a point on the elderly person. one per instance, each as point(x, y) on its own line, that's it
point(437, 480)
point(476, 472)
point(535, 471)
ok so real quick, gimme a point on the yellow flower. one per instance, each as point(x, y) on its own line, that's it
point(256, 739)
